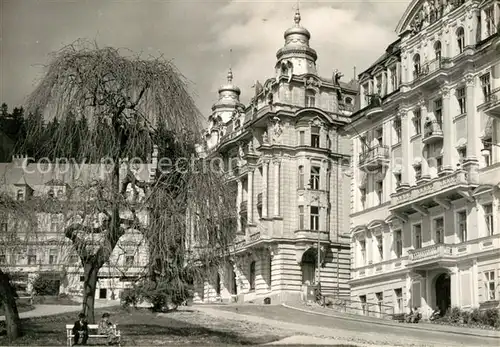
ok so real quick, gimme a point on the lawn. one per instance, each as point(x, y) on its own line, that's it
point(22, 306)
point(143, 328)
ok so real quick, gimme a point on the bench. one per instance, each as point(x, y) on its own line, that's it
point(70, 336)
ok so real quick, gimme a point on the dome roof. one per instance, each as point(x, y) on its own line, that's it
point(297, 29)
point(229, 87)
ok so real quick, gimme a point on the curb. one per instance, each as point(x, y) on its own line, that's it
point(387, 324)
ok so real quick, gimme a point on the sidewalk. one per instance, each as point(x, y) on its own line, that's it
point(419, 326)
point(51, 310)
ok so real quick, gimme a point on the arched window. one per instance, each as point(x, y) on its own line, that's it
point(20, 195)
point(301, 177)
point(460, 40)
point(348, 101)
point(437, 51)
point(310, 98)
point(251, 278)
point(416, 66)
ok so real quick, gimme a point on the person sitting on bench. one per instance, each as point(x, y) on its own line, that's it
point(106, 328)
point(81, 329)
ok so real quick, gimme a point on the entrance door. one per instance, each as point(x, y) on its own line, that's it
point(443, 292)
point(103, 293)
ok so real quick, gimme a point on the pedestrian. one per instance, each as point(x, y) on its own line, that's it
point(81, 329)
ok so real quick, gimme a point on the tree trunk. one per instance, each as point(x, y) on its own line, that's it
point(89, 287)
point(8, 301)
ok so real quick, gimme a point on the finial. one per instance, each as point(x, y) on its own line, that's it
point(296, 18)
point(230, 76)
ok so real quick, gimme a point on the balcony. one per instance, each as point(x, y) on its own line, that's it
point(379, 269)
point(491, 105)
point(433, 132)
point(374, 106)
point(438, 191)
point(312, 235)
point(374, 158)
point(439, 253)
point(425, 74)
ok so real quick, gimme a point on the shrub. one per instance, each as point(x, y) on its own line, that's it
point(475, 316)
point(454, 315)
point(46, 286)
point(490, 317)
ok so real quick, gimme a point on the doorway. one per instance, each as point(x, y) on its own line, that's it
point(103, 293)
point(443, 292)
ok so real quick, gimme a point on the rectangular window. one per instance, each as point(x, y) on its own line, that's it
point(362, 192)
point(438, 111)
point(490, 285)
point(301, 218)
point(417, 235)
point(31, 257)
point(55, 222)
point(315, 178)
point(315, 137)
point(3, 227)
point(362, 250)
point(487, 147)
point(380, 247)
point(301, 177)
point(379, 133)
point(462, 100)
point(310, 98)
point(439, 164)
point(362, 299)
point(380, 191)
point(398, 293)
point(302, 138)
point(380, 301)
point(462, 153)
point(397, 129)
point(129, 260)
point(397, 177)
point(3, 258)
point(439, 230)
point(394, 78)
point(314, 218)
point(490, 21)
point(461, 40)
point(462, 226)
point(398, 243)
point(486, 86)
point(417, 121)
point(418, 171)
point(488, 218)
point(53, 256)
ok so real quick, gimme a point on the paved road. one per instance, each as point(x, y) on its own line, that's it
point(364, 332)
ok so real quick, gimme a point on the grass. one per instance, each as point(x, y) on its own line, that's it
point(54, 300)
point(143, 328)
point(21, 307)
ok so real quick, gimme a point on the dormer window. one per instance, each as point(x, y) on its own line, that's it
point(310, 98)
point(348, 101)
point(315, 137)
point(20, 195)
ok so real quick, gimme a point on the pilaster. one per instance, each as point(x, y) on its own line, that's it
point(472, 161)
point(265, 190)
point(405, 149)
point(238, 206)
point(277, 176)
point(250, 196)
point(425, 152)
point(448, 131)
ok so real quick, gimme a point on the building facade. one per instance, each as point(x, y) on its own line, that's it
point(425, 190)
point(285, 158)
point(29, 250)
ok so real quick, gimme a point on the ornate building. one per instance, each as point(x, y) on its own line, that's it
point(426, 164)
point(27, 253)
point(284, 156)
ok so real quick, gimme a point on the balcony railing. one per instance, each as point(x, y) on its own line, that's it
point(438, 251)
point(491, 105)
point(374, 156)
point(429, 67)
point(433, 131)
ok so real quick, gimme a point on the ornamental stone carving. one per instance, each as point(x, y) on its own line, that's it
point(312, 83)
point(469, 80)
point(317, 122)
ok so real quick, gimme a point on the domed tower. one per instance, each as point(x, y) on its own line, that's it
point(296, 57)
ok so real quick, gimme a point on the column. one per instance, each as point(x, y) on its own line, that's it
point(454, 290)
point(405, 148)
point(265, 169)
point(425, 160)
point(475, 284)
point(276, 162)
point(250, 196)
point(473, 149)
point(408, 303)
point(448, 131)
point(238, 205)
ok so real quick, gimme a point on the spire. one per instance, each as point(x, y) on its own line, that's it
point(230, 76)
point(296, 18)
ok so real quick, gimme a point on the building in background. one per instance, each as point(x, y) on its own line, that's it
point(284, 156)
point(27, 253)
point(426, 164)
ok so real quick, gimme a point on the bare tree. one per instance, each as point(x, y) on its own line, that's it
point(132, 103)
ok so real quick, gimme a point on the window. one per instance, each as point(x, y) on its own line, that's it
point(31, 257)
point(417, 234)
point(362, 251)
point(366, 93)
point(129, 260)
point(3, 258)
point(490, 21)
point(397, 129)
point(460, 40)
point(490, 285)
point(462, 226)
point(252, 276)
point(314, 178)
point(416, 66)
point(397, 177)
point(310, 98)
point(314, 218)
point(301, 218)
point(398, 293)
point(438, 111)
point(348, 101)
point(379, 88)
point(488, 218)
point(380, 247)
point(439, 230)
point(53, 256)
point(394, 78)
point(437, 51)
point(486, 86)
point(20, 195)
point(301, 177)
point(462, 153)
point(51, 193)
point(55, 222)
point(363, 197)
point(362, 299)
point(379, 133)
point(487, 144)
point(315, 137)
point(380, 191)
point(417, 121)
point(461, 98)
point(3, 226)
point(380, 301)
point(439, 164)
point(302, 137)
point(418, 171)
point(398, 243)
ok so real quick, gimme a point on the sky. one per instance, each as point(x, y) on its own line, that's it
point(196, 35)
